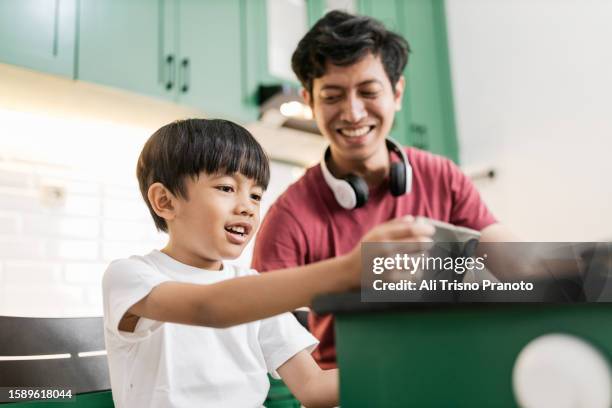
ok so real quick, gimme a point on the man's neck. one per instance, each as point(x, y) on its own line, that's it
point(373, 170)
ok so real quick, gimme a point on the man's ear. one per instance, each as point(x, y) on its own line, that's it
point(307, 97)
point(163, 202)
point(399, 92)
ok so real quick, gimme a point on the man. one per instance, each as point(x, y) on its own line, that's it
point(351, 70)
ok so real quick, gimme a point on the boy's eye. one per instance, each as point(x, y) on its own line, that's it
point(256, 197)
point(226, 189)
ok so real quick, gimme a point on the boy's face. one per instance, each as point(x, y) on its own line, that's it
point(354, 107)
point(217, 221)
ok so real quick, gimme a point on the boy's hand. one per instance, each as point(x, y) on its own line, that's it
point(403, 229)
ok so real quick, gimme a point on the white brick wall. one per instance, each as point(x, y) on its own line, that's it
point(60, 227)
point(9, 225)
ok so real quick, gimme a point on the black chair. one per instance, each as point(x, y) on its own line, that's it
point(74, 358)
point(302, 317)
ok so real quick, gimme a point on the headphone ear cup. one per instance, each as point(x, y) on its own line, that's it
point(360, 187)
point(397, 179)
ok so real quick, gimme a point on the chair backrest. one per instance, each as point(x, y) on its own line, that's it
point(53, 352)
point(302, 317)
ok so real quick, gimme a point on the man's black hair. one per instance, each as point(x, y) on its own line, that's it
point(186, 148)
point(344, 39)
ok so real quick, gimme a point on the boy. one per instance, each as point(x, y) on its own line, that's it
point(202, 181)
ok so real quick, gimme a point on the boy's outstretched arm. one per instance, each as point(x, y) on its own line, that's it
point(311, 385)
point(251, 298)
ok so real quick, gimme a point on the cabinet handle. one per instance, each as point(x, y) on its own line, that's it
point(170, 68)
point(185, 75)
point(419, 138)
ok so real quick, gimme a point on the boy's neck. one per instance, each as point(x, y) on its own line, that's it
point(189, 258)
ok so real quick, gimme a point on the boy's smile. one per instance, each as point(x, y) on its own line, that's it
point(238, 232)
point(216, 221)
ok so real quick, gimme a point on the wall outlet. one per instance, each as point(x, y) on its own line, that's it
point(53, 195)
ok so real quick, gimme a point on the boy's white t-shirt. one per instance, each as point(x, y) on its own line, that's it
point(175, 365)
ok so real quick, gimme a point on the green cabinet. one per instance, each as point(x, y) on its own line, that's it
point(428, 103)
point(127, 44)
point(212, 54)
point(187, 51)
point(39, 34)
point(211, 61)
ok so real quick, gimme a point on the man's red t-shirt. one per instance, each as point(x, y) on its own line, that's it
point(307, 225)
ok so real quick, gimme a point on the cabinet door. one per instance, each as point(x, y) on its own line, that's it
point(429, 98)
point(316, 10)
point(128, 44)
point(38, 34)
point(212, 65)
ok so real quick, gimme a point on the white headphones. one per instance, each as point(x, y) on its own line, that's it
point(352, 191)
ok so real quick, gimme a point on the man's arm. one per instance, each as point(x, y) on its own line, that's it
point(250, 298)
point(502, 261)
point(312, 386)
point(497, 233)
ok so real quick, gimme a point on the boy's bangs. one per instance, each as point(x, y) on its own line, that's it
point(237, 151)
point(250, 163)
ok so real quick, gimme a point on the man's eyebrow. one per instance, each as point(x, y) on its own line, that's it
point(340, 88)
point(369, 82)
point(332, 87)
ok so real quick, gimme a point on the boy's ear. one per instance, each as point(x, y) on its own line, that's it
point(162, 201)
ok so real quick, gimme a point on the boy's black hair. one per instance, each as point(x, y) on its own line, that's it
point(344, 39)
point(186, 148)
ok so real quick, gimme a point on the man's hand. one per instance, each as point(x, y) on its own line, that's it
point(399, 230)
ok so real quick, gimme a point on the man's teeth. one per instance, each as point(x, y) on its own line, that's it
point(355, 132)
point(238, 230)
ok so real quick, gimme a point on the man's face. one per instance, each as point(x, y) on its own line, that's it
point(218, 220)
point(354, 107)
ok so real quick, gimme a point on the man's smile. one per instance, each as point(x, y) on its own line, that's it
point(355, 131)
